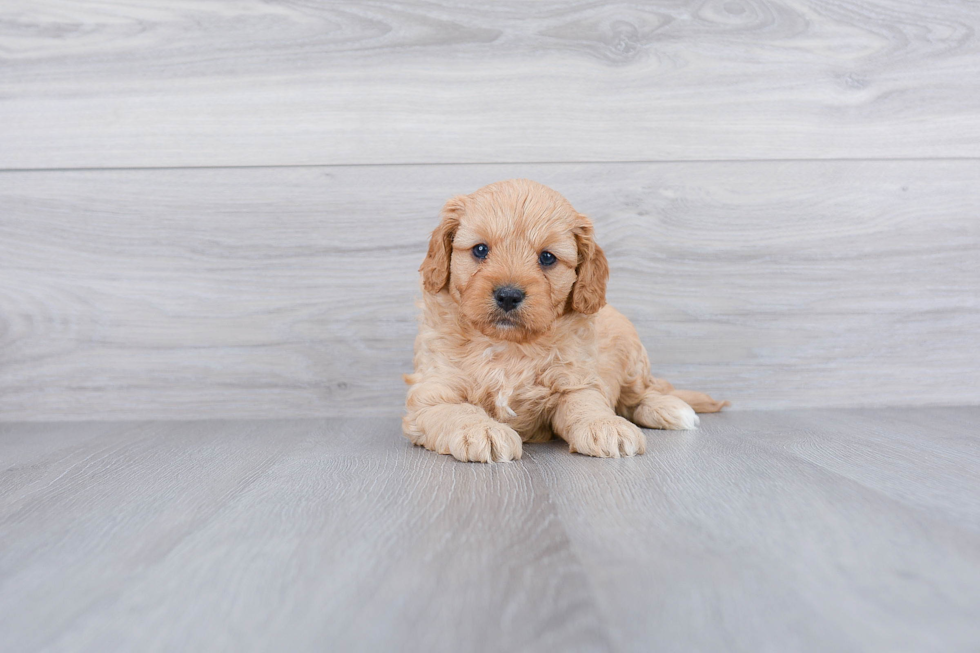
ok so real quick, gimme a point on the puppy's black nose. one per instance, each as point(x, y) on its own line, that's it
point(508, 297)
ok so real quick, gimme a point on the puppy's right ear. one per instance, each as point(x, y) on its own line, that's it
point(435, 267)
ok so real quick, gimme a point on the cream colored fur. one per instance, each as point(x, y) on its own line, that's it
point(563, 363)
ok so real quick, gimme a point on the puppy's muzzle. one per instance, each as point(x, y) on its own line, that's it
point(508, 297)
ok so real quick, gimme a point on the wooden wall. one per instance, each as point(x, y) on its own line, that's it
point(218, 209)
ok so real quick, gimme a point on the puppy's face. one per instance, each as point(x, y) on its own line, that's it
point(515, 256)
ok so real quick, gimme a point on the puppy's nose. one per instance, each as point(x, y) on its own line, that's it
point(508, 297)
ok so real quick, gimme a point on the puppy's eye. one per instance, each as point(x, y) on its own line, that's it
point(480, 251)
point(547, 259)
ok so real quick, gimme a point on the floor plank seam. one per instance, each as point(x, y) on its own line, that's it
point(413, 164)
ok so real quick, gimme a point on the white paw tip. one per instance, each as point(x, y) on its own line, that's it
point(689, 420)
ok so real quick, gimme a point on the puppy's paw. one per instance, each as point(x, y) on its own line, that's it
point(485, 441)
point(665, 412)
point(607, 437)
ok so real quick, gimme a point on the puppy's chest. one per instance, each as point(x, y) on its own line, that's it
point(511, 391)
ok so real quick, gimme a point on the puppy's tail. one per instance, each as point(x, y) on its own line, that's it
point(699, 401)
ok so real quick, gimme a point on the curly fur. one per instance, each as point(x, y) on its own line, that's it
point(564, 363)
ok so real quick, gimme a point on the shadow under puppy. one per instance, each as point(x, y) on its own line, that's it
point(516, 342)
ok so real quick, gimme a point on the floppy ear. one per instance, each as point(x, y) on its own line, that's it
point(589, 291)
point(435, 267)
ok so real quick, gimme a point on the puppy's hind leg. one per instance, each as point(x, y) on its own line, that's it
point(661, 406)
point(660, 411)
point(639, 396)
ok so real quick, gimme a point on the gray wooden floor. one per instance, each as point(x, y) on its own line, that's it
point(790, 530)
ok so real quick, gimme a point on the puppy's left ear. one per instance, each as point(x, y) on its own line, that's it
point(589, 291)
point(435, 267)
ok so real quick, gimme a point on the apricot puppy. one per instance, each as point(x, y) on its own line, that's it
point(516, 342)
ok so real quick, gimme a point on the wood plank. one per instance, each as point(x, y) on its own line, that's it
point(727, 539)
point(298, 535)
point(760, 531)
point(289, 292)
point(883, 451)
point(163, 83)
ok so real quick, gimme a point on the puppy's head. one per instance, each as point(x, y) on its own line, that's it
point(515, 256)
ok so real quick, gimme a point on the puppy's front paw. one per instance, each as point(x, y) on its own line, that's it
point(665, 412)
point(607, 437)
point(485, 441)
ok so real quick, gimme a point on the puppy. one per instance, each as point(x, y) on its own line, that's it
point(516, 343)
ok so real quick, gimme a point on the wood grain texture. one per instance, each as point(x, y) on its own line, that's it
point(289, 292)
point(747, 535)
point(265, 536)
point(761, 531)
point(158, 83)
